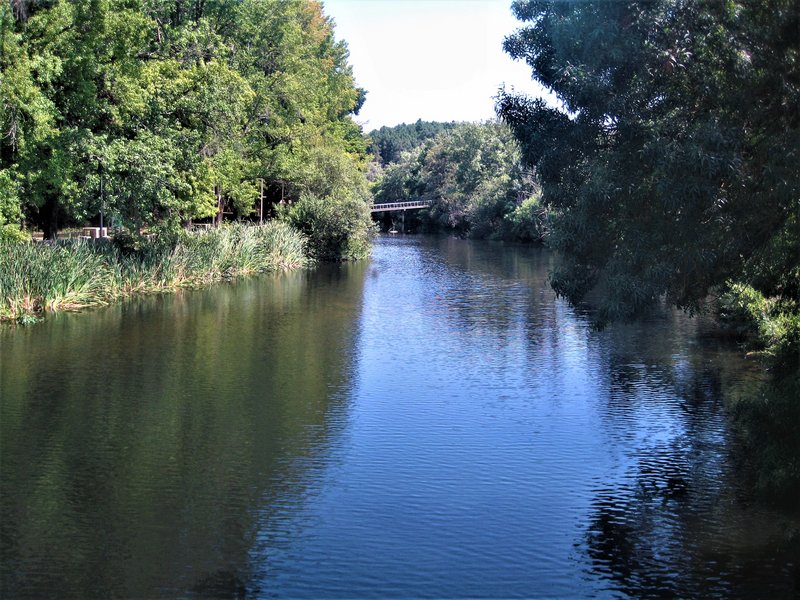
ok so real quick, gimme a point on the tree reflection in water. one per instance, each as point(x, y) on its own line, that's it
point(677, 523)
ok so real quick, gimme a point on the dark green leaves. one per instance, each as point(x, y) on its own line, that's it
point(666, 171)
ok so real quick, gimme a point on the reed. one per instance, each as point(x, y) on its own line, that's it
point(36, 278)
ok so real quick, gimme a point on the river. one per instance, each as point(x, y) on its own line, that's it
point(432, 422)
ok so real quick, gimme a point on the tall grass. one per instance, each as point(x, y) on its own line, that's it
point(35, 278)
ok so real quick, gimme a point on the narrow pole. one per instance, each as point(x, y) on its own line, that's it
point(261, 209)
point(218, 191)
point(102, 203)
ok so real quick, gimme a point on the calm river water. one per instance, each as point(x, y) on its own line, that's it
point(429, 423)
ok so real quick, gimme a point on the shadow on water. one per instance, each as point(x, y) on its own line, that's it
point(677, 520)
point(139, 443)
point(431, 423)
point(671, 517)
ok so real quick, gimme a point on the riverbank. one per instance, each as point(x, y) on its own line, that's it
point(36, 278)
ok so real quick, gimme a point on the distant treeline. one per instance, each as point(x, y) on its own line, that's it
point(472, 174)
point(387, 144)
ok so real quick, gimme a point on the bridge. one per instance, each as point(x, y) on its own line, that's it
point(412, 204)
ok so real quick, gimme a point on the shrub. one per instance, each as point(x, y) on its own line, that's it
point(338, 228)
point(766, 419)
point(527, 222)
point(770, 323)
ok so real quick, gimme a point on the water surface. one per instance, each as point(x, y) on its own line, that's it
point(430, 423)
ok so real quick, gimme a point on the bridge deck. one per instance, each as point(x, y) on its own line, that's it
point(400, 205)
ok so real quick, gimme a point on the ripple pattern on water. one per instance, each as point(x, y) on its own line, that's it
point(432, 423)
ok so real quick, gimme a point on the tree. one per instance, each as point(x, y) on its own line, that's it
point(671, 167)
point(472, 175)
point(671, 171)
point(304, 91)
point(387, 144)
point(178, 109)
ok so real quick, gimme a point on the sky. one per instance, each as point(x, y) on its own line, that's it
point(435, 60)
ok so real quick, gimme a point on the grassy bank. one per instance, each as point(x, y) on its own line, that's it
point(36, 278)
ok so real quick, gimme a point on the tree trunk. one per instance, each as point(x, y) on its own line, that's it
point(220, 204)
point(178, 13)
point(49, 214)
point(199, 9)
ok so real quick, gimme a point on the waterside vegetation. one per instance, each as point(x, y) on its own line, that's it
point(152, 116)
point(72, 275)
point(156, 114)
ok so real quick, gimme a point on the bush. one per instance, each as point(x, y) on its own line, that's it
point(528, 221)
point(769, 323)
point(10, 212)
point(766, 420)
point(13, 233)
point(338, 228)
point(487, 207)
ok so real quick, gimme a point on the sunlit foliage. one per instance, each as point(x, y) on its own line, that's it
point(161, 112)
point(474, 179)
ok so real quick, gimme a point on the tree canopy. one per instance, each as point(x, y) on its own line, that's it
point(387, 144)
point(671, 170)
point(671, 167)
point(472, 175)
point(178, 109)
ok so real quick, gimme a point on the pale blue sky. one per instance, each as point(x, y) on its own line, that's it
point(436, 60)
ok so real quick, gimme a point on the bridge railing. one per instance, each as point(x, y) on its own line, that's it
point(400, 205)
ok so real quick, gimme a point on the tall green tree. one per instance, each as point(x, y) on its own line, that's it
point(176, 109)
point(671, 171)
point(387, 144)
point(672, 164)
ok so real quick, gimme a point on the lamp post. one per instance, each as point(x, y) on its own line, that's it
point(99, 160)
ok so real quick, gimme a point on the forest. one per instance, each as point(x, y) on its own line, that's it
point(156, 114)
point(471, 173)
point(387, 144)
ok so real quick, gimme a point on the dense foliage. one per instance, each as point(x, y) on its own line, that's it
point(161, 112)
point(474, 179)
point(339, 230)
point(671, 169)
point(673, 165)
point(387, 144)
